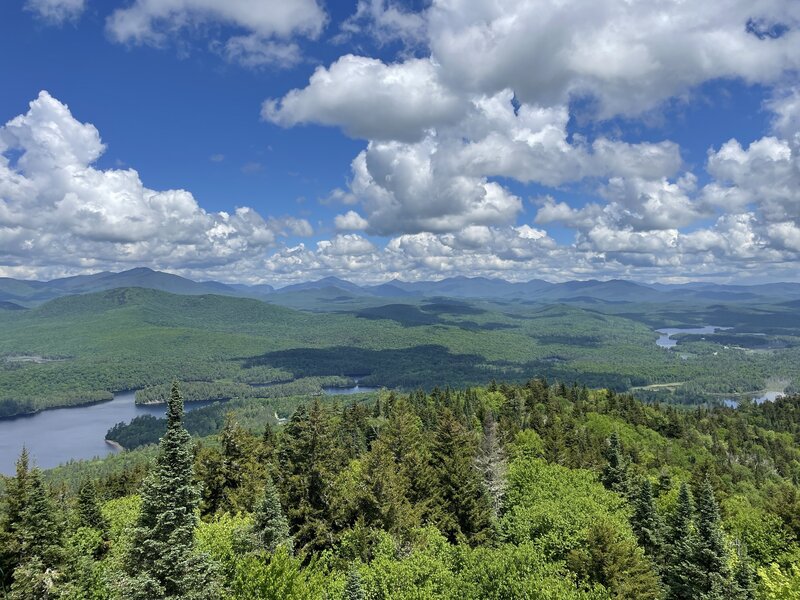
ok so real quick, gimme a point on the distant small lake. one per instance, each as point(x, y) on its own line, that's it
point(57, 435)
point(666, 341)
point(770, 396)
point(346, 391)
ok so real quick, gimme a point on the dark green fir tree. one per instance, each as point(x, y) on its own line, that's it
point(462, 504)
point(711, 555)
point(645, 521)
point(615, 472)
point(40, 534)
point(162, 562)
point(270, 526)
point(15, 500)
point(680, 574)
point(89, 513)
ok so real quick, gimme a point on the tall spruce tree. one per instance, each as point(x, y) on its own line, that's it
point(680, 574)
point(89, 513)
point(463, 508)
point(15, 500)
point(308, 456)
point(645, 521)
point(615, 472)
point(162, 562)
point(270, 526)
point(710, 554)
point(404, 435)
point(40, 534)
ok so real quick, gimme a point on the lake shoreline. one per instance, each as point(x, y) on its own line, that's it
point(81, 404)
point(116, 445)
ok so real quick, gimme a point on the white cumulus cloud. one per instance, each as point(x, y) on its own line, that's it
point(57, 210)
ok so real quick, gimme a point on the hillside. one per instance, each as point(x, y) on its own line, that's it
point(128, 338)
point(497, 492)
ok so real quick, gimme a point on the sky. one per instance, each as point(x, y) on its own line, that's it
point(266, 141)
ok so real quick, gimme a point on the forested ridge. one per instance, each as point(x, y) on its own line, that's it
point(508, 491)
point(79, 349)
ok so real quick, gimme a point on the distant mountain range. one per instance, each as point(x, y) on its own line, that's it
point(16, 294)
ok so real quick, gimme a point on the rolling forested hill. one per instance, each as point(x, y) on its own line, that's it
point(80, 348)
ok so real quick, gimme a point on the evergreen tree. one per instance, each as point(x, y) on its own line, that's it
point(404, 436)
point(615, 561)
point(353, 589)
point(15, 501)
point(240, 469)
point(40, 544)
point(270, 526)
point(615, 472)
point(308, 457)
point(384, 502)
point(211, 477)
point(744, 575)
point(463, 508)
point(89, 508)
point(680, 574)
point(710, 554)
point(40, 530)
point(645, 522)
point(162, 562)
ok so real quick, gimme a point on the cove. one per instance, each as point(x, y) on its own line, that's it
point(58, 435)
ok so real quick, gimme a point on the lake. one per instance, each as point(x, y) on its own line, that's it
point(665, 340)
point(57, 435)
point(346, 391)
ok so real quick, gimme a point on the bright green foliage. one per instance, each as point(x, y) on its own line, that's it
point(270, 526)
point(645, 520)
point(357, 482)
point(554, 507)
point(162, 562)
point(778, 584)
point(279, 576)
point(462, 506)
point(763, 532)
point(84, 577)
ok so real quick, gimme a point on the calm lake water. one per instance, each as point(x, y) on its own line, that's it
point(666, 341)
point(357, 389)
point(58, 435)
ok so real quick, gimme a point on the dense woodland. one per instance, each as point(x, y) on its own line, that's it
point(509, 491)
point(78, 349)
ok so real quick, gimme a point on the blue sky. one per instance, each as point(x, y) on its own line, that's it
point(379, 139)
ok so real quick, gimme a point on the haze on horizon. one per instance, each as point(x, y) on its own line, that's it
point(277, 142)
